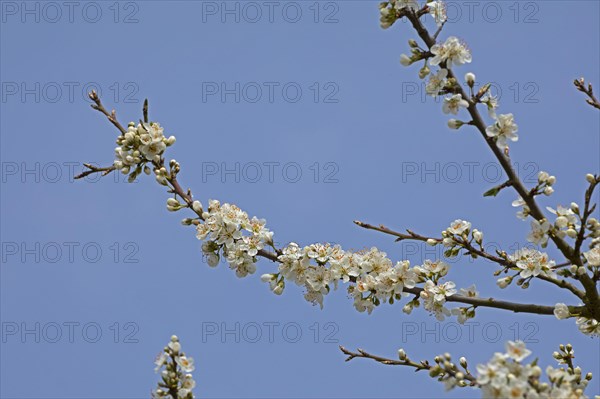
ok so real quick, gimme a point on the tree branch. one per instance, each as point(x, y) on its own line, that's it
point(589, 91)
point(592, 298)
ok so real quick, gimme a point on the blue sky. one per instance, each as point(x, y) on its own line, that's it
point(106, 266)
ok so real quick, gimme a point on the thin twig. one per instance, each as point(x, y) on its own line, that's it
point(589, 91)
point(112, 116)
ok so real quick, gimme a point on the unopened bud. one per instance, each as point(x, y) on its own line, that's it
point(470, 79)
point(405, 60)
point(197, 206)
point(455, 124)
point(401, 354)
point(590, 178)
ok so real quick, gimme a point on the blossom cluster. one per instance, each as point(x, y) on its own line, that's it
point(373, 278)
point(445, 55)
point(139, 145)
point(586, 325)
point(175, 368)
point(532, 263)
point(229, 231)
point(507, 376)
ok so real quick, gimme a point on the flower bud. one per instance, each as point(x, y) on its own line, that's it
point(478, 236)
point(175, 346)
point(265, 278)
point(543, 177)
point(423, 72)
point(572, 233)
point(504, 281)
point(197, 206)
point(278, 290)
point(432, 242)
point(590, 178)
point(573, 269)
point(455, 124)
point(561, 222)
point(470, 79)
point(413, 43)
point(405, 60)
point(574, 207)
point(212, 259)
point(548, 191)
point(551, 180)
point(401, 354)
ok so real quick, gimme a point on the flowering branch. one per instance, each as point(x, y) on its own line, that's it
point(174, 383)
point(444, 369)
point(504, 376)
point(473, 251)
point(495, 135)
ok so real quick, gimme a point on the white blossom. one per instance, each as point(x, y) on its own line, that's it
point(539, 232)
point(451, 52)
point(437, 9)
point(454, 103)
point(186, 363)
point(436, 82)
point(503, 130)
point(412, 5)
point(532, 262)
point(517, 351)
point(593, 256)
point(459, 226)
point(561, 311)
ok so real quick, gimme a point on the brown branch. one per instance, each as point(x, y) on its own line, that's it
point(400, 236)
point(471, 249)
point(112, 116)
point(94, 169)
point(422, 365)
point(589, 91)
point(588, 209)
point(505, 305)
